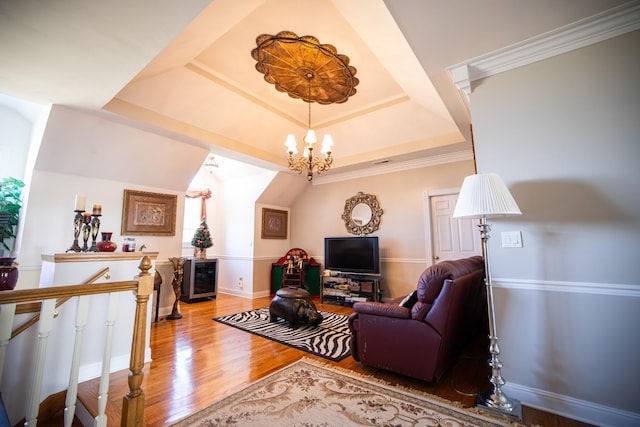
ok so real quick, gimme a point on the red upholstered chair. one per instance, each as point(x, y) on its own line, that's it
point(423, 340)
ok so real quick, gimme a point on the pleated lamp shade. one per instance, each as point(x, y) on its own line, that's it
point(485, 195)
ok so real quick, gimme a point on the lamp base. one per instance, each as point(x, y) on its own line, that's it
point(500, 405)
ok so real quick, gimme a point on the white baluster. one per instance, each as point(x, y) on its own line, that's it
point(46, 324)
point(103, 393)
point(82, 310)
point(7, 313)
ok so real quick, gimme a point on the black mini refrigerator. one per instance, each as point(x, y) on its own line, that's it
point(199, 281)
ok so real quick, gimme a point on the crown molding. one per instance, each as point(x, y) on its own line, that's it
point(391, 167)
point(585, 32)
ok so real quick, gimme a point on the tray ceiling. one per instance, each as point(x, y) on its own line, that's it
point(186, 67)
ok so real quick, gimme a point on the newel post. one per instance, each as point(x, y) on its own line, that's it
point(133, 402)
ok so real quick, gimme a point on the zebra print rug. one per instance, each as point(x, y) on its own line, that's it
point(330, 339)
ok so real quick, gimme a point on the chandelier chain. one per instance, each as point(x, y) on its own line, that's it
point(309, 77)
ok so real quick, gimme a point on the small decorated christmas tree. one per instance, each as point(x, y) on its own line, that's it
point(202, 238)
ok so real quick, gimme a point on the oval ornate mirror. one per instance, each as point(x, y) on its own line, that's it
point(362, 214)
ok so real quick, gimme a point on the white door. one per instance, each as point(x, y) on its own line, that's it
point(452, 238)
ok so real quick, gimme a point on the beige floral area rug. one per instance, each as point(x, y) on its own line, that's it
point(307, 393)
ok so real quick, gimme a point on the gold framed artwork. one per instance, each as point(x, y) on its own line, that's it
point(274, 224)
point(151, 214)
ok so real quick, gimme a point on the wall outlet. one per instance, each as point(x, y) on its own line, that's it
point(240, 283)
point(511, 239)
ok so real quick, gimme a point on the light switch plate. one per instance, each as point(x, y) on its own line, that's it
point(511, 239)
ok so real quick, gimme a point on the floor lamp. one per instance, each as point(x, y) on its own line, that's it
point(485, 196)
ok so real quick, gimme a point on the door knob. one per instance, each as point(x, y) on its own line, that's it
point(436, 257)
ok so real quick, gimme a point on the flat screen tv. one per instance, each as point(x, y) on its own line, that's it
point(359, 255)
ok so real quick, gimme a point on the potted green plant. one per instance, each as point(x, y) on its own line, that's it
point(10, 204)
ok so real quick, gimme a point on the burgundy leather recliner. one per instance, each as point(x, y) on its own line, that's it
point(424, 340)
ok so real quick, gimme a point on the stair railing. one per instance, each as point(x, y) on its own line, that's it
point(36, 307)
point(133, 401)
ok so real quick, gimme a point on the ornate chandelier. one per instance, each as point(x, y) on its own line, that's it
point(210, 163)
point(313, 72)
point(308, 160)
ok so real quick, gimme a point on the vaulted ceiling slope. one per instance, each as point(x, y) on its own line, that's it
point(185, 68)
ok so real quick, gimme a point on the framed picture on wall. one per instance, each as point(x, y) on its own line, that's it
point(151, 214)
point(274, 224)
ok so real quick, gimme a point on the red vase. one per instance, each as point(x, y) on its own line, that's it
point(8, 274)
point(106, 245)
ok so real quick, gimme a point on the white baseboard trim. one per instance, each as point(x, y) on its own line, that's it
point(83, 414)
point(235, 292)
point(261, 294)
point(163, 312)
point(570, 407)
point(243, 294)
point(118, 363)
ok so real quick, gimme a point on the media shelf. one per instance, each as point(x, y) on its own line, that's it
point(345, 289)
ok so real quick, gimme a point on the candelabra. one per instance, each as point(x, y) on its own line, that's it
point(95, 227)
point(86, 230)
point(77, 225)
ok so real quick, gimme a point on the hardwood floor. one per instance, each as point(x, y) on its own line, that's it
point(197, 361)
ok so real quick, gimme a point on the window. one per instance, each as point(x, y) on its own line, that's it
point(192, 212)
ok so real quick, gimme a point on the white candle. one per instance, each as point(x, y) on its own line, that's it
point(80, 203)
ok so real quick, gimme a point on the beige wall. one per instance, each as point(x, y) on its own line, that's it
point(564, 135)
point(92, 155)
point(49, 219)
point(316, 214)
point(13, 156)
point(236, 234)
point(262, 276)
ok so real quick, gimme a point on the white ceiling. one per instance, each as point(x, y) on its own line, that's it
point(186, 67)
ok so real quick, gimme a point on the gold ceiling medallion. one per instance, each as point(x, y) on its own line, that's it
point(304, 68)
point(313, 72)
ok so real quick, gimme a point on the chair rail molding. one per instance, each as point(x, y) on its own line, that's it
point(610, 289)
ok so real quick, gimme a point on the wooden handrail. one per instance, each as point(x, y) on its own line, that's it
point(28, 295)
point(36, 306)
